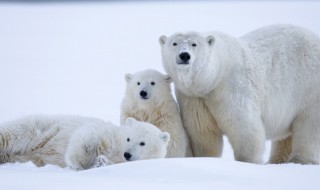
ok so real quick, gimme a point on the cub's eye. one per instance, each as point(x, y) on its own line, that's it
point(174, 44)
point(128, 139)
point(138, 83)
point(142, 144)
point(153, 83)
point(194, 44)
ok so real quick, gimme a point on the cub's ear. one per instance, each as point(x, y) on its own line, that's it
point(165, 136)
point(168, 79)
point(210, 40)
point(162, 40)
point(128, 77)
point(130, 121)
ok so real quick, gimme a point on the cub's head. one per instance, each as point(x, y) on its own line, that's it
point(147, 85)
point(143, 140)
point(186, 58)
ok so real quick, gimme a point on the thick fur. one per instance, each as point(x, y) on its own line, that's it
point(99, 145)
point(77, 142)
point(157, 106)
point(264, 85)
point(41, 139)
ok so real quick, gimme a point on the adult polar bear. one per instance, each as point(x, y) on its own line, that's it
point(264, 85)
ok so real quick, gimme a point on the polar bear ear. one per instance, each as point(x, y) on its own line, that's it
point(130, 121)
point(162, 40)
point(168, 79)
point(211, 40)
point(165, 136)
point(128, 77)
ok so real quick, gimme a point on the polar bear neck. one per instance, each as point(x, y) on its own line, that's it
point(189, 80)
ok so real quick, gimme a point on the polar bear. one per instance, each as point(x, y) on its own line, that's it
point(96, 146)
point(263, 85)
point(148, 98)
point(79, 142)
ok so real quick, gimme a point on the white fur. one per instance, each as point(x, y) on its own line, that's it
point(158, 107)
point(155, 141)
point(264, 85)
point(78, 142)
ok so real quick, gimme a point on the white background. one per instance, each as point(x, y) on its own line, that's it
point(71, 58)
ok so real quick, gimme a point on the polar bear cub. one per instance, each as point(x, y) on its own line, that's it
point(148, 98)
point(100, 146)
point(79, 142)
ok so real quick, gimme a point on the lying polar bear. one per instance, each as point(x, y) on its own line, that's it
point(79, 142)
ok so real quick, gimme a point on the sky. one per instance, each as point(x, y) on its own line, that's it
point(71, 58)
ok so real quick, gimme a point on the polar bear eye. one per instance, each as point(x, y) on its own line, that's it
point(194, 44)
point(128, 139)
point(174, 44)
point(153, 83)
point(138, 83)
point(142, 144)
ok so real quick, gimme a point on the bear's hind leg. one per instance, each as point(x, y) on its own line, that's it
point(306, 137)
point(280, 151)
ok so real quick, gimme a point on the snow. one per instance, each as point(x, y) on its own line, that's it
point(71, 58)
point(187, 173)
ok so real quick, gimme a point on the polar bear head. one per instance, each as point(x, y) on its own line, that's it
point(143, 140)
point(187, 58)
point(147, 87)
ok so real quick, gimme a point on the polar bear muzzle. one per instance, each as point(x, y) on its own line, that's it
point(127, 156)
point(144, 94)
point(184, 58)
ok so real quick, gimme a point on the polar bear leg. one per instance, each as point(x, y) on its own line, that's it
point(306, 137)
point(82, 157)
point(280, 151)
point(247, 143)
point(81, 152)
point(205, 137)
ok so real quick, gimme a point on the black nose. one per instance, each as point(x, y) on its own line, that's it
point(127, 155)
point(184, 56)
point(143, 93)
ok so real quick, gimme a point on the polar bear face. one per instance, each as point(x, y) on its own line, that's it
point(187, 59)
point(147, 86)
point(143, 140)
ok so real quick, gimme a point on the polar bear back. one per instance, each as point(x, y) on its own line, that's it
point(287, 67)
point(31, 137)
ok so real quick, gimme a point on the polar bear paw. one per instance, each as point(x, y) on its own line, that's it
point(102, 161)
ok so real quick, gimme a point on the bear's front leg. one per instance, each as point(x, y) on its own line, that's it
point(239, 119)
point(246, 135)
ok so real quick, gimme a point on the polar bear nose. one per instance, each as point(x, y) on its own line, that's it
point(127, 155)
point(184, 56)
point(143, 93)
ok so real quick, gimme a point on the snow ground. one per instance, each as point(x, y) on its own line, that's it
point(188, 173)
point(71, 58)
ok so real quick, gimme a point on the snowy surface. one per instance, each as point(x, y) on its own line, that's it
point(188, 173)
point(71, 58)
